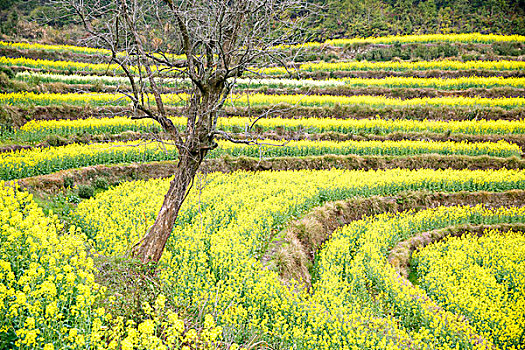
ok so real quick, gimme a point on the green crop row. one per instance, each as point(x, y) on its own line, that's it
point(38, 161)
point(39, 130)
point(244, 83)
point(104, 99)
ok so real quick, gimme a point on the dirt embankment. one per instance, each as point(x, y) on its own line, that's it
point(53, 183)
point(293, 255)
point(394, 92)
point(399, 257)
point(49, 55)
point(16, 116)
point(379, 74)
point(279, 134)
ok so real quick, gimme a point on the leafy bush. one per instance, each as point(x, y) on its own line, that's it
point(508, 48)
point(7, 71)
point(101, 183)
point(68, 182)
point(85, 191)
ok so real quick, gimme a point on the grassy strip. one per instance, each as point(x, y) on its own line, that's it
point(37, 131)
point(14, 52)
point(461, 83)
point(382, 74)
point(405, 93)
point(426, 38)
point(404, 66)
point(278, 136)
point(405, 39)
point(395, 92)
point(73, 79)
point(387, 112)
point(14, 117)
point(262, 100)
point(55, 48)
point(69, 67)
point(39, 161)
point(371, 52)
point(316, 75)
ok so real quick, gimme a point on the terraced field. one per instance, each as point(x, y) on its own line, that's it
point(382, 205)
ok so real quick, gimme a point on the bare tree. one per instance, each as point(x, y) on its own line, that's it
point(220, 40)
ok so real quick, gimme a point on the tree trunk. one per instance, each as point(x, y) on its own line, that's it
point(202, 114)
point(150, 248)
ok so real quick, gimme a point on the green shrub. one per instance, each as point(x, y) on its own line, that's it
point(85, 191)
point(68, 182)
point(508, 48)
point(8, 72)
point(101, 183)
point(56, 141)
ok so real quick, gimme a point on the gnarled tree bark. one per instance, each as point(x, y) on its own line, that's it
point(150, 248)
point(220, 39)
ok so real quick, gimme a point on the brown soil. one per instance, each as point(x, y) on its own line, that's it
point(16, 116)
point(280, 134)
point(401, 93)
point(341, 52)
point(60, 71)
point(53, 55)
point(398, 136)
point(387, 112)
point(323, 75)
point(56, 140)
point(482, 51)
